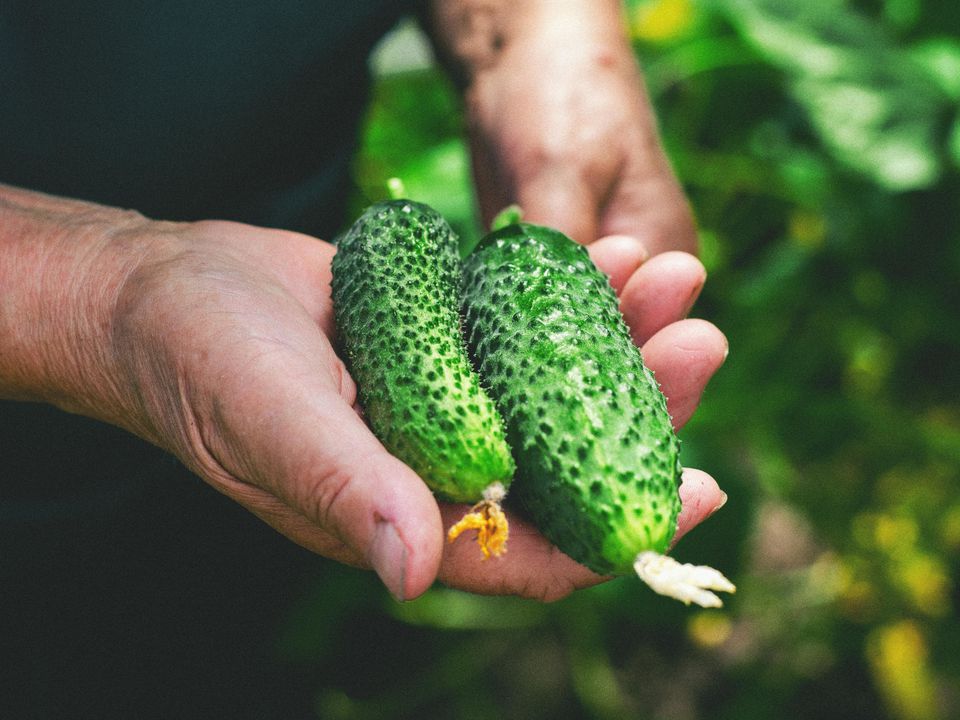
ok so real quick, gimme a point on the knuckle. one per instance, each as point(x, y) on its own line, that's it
point(554, 591)
point(322, 493)
point(346, 387)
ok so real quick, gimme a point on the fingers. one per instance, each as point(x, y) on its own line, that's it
point(560, 200)
point(349, 485)
point(618, 256)
point(655, 295)
point(661, 291)
point(338, 492)
point(701, 497)
point(684, 356)
point(532, 567)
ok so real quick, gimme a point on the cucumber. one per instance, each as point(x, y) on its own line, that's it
point(396, 279)
point(598, 462)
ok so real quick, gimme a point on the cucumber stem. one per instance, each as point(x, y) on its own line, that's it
point(395, 189)
point(682, 581)
point(510, 215)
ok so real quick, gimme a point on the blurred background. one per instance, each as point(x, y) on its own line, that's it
point(819, 142)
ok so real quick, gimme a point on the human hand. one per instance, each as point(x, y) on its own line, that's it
point(265, 412)
point(560, 122)
point(212, 340)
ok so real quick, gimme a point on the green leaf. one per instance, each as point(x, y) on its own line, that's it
point(954, 142)
point(455, 610)
point(873, 105)
point(874, 131)
point(940, 59)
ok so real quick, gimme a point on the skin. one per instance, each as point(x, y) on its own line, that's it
point(214, 340)
point(559, 118)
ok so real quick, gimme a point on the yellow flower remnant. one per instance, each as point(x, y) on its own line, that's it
point(489, 520)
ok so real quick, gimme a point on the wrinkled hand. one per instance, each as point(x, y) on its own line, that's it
point(222, 355)
point(561, 124)
point(220, 351)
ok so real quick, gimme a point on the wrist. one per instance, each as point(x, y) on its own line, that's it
point(62, 264)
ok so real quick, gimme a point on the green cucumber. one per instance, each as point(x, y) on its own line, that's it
point(598, 462)
point(396, 278)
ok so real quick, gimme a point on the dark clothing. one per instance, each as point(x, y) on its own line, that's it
point(184, 109)
point(128, 588)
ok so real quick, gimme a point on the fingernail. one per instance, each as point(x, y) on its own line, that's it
point(694, 295)
point(639, 247)
point(388, 556)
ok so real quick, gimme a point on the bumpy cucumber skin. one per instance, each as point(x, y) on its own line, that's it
point(396, 278)
point(597, 458)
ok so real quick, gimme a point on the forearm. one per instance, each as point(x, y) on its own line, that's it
point(60, 271)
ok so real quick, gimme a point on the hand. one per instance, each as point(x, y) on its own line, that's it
point(561, 124)
point(221, 353)
point(212, 340)
point(222, 338)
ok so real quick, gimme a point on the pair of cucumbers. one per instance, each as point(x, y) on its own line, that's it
point(513, 368)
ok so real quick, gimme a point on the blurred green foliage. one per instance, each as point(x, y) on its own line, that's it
point(819, 142)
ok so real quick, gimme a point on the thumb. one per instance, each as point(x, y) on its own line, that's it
point(314, 471)
point(350, 486)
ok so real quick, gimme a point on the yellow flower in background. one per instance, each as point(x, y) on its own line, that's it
point(660, 20)
point(895, 534)
point(950, 529)
point(926, 584)
point(808, 229)
point(709, 629)
point(898, 657)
